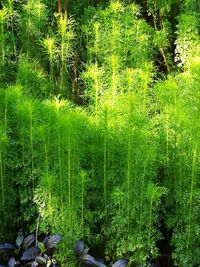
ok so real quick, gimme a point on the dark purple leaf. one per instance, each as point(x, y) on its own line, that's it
point(45, 240)
point(86, 250)
point(2, 265)
point(34, 264)
point(52, 241)
point(11, 262)
point(19, 240)
point(100, 264)
point(30, 254)
point(79, 248)
point(46, 257)
point(88, 260)
point(41, 260)
point(28, 241)
point(54, 264)
point(7, 247)
point(120, 263)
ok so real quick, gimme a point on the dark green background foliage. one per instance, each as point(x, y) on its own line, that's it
point(99, 126)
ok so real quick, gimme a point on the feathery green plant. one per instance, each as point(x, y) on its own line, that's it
point(65, 38)
point(187, 43)
point(176, 95)
point(11, 13)
point(3, 203)
point(33, 78)
point(33, 18)
point(49, 44)
point(3, 16)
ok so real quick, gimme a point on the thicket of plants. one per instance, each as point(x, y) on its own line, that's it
point(99, 127)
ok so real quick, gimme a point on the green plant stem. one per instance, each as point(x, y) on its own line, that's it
point(128, 174)
point(96, 41)
point(2, 186)
point(113, 79)
point(105, 156)
point(12, 27)
point(13, 38)
point(150, 221)
point(31, 147)
point(194, 152)
point(97, 89)
point(69, 177)
point(167, 140)
point(145, 86)
point(142, 195)
point(74, 157)
point(60, 168)
point(46, 156)
point(39, 16)
point(5, 111)
point(37, 229)
point(2, 44)
point(28, 29)
point(51, 69)
point(82, 201)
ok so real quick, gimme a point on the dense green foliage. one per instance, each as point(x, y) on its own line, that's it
point(99, 125)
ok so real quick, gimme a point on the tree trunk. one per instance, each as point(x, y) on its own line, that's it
point(59, 7)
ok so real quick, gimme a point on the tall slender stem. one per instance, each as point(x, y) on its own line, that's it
point(31, 147)
point(2, 187)
point(82, 201)
point(69, 176)
point(2, 44)
point(60, 167)
point(128, 174)
point(192, 184)
point(105, 155)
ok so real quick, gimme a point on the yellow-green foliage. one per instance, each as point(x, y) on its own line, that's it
point(119, 166)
